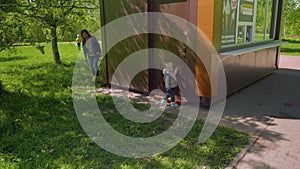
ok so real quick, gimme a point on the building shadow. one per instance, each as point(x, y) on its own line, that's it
point(260, 109)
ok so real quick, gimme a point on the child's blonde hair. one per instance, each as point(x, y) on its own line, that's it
point(169, 65)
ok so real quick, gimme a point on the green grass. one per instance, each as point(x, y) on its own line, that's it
point(39, 127)
point(292, 48)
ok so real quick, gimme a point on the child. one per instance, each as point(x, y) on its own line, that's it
point(170, 83)
point(78, 41)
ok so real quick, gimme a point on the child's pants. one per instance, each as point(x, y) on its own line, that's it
point(170, 93)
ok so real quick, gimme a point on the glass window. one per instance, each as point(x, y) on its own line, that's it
point(241, 34)
point(247, 21)
point(229, 22)
point(263, 20)
point(260, 25)
point(248, 36)
point(244, 34)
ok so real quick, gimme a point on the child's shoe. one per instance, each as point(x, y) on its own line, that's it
point(165, 103)
point(174, 104)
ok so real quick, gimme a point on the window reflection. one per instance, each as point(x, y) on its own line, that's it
point(241, 34)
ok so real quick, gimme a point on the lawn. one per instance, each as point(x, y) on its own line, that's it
point(292, 48)
point(39, 127)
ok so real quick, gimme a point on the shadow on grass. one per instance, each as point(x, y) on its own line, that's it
point(39, 129)
point(44, 131)
point(12, 58)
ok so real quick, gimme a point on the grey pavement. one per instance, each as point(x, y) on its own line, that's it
point(269, 110)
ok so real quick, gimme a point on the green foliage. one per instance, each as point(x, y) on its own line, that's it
point(29, 23)
point(260, 17)
point(11, 32)
point(39, 127)
point(32, 22)
point(68, 16)
point(79, 20)
point(8, 5)
point(291, 15)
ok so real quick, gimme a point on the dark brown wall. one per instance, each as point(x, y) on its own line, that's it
point(112, 10)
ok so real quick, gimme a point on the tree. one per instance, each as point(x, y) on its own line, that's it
point(52, 14)
point(291, 15)
point(8, 30)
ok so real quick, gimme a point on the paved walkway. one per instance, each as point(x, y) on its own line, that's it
point(290, 62)
point(269, 110)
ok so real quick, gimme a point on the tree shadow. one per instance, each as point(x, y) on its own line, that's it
point(42, 130)
point(259, 164)
point(12, 58)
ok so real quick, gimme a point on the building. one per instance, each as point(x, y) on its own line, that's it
point(244, 33)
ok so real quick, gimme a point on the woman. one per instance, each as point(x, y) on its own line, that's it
point(92, 51)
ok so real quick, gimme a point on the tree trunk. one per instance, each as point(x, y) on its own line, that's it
point(55, 51)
